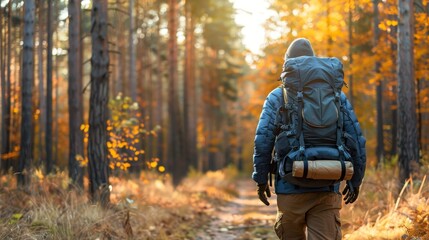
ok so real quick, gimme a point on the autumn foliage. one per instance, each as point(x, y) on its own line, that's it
point(185, 98)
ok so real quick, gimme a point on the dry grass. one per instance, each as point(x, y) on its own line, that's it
point(386, 211)
point(148, 207)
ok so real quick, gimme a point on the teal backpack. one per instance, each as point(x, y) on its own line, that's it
point(310, 123)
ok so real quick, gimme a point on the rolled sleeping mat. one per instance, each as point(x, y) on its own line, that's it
point(322, 169)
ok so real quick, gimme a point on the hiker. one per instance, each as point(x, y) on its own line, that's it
point(288, 125)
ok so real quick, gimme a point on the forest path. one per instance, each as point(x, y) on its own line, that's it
point(243, 217)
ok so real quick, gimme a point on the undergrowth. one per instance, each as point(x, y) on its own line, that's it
point(147, 207)
point(150, 207)
point(385, 210)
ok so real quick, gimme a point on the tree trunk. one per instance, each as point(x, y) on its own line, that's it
point(379, 92)
point(350, 28)
point(150, 101)
point(42, 97)
point(26, 149)
point(419, 114)
point(6, 108)
point(16, 54)
point(159, 94)
point(177, 163)
point(3, 90)
point(143, 96)
point(132, 52)
point(394, 131)
point(189, 90)
point(393, 100)
point(118, 57)
point(407, 122)
point(98, 110)
point(48, 135)
point(75, 94)
point(56, 104)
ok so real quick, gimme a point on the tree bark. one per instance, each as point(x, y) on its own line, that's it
point(117, 79)
point(177, 163)
point(17, 55)
point(160, 86)
point(393, 100)
point(48, 135)
point(150, 99)
point(419, 113)
point(98, 110)
point(75, 94)
point(132, 52)
point(379, 91)
point(350, 29)
point(6, 108)
point(189, 90)
point(42, 97)
point(26, 148)
point(3, 90)
point(407, 122)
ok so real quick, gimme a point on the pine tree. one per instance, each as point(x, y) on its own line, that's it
point(98, 109)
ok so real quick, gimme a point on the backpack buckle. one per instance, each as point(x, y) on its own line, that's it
point(341, 149)
point(337, 96)
point(299, 96)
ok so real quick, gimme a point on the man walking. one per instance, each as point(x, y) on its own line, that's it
point(304, 206)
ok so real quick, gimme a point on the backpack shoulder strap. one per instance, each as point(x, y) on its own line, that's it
point(285, 111)
point(282, 113)
point(284, 95)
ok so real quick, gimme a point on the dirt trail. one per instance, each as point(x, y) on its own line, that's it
point(244, 217)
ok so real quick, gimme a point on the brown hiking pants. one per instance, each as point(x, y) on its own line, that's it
point(319, 212)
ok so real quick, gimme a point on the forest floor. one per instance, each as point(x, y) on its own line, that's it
point(243, 217)
point(205, 206)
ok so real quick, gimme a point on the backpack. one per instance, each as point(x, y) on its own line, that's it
point(309, 147)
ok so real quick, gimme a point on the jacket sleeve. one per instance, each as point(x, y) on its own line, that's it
point(352, 128)
point(264, 138)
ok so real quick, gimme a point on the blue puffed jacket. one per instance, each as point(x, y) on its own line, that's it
point(265, 138)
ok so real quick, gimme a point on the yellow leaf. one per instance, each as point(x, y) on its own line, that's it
point(153, 164)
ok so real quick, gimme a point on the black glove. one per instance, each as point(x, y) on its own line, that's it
point(351, 193)
point(264, 192)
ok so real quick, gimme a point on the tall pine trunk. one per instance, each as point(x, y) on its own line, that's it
point(177, 163)
point(407, 122)
point(350, 36)
point(42, 97)
point(150, 99)
point(75, 94)
point(159, 92)
point(419, 113)
point(393, 100)
point(132, 52)
point(379, 91)
point(190, 89)
point(26, 148)
point(98, 109)
point(3, 90)
point(48, 134)
point(6, 108)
